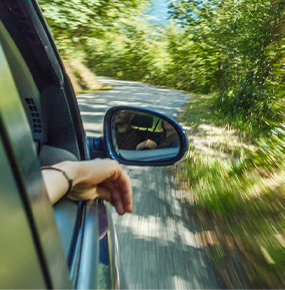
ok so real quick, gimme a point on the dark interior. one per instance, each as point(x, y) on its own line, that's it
point(53, 116)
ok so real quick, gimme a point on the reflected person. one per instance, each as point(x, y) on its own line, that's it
point(168, 139)
point(127, 138)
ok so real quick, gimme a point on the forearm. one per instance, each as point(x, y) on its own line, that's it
point(98, 178)
point(56, 182)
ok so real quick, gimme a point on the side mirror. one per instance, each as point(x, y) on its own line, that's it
point(136, 136)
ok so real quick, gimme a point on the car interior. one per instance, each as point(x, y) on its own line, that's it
point(40, 80)
point(42, 92)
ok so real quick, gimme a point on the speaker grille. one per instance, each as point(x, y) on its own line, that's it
point(35, 115)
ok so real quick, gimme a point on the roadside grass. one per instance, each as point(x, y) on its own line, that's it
point(104, 87)
point(238, 187)
point(83, 79)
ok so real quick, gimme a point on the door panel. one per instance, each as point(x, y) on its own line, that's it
point(20, 266)
point(65, 213)
point(22, 157)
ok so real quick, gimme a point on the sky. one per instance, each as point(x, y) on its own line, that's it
point(158, 12)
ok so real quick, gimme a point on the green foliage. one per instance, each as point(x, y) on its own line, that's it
point(234, 47)
point(218, 186)
point(247, 206)
point(137, 53)
point(254, 110)
point(242, 40)
point(239, 197)
point(75, 22)
point(271, 151)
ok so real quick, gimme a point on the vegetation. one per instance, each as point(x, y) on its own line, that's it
point(232, 47)
point(74, 23)
point(238, 188)
point(82, 79)
point(232, 53)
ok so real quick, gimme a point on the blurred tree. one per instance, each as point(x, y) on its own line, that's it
point(235, 43)
point(75, 22)
point(231, 46)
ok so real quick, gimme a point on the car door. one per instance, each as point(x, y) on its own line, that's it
point(70, 244)
point(31, 254)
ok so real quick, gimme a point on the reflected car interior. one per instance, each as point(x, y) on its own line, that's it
point(140, 136)
point(134, 131)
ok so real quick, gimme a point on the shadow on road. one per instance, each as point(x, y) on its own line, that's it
point(159, 242)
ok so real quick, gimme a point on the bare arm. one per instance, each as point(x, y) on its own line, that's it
point(99, 178)
point(146, 144)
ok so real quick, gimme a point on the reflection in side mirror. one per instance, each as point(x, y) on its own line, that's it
point(143, 136)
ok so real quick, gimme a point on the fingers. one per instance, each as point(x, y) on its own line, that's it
point(104, 193)
point(119, 193)
point(101, 178)
point(89, 194)
point(124, 183)
point(103, 169)
point(115, 198)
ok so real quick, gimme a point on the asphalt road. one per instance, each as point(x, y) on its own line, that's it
point(159, 242)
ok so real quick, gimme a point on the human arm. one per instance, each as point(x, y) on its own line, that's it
point(148, 144)
point(98, 178)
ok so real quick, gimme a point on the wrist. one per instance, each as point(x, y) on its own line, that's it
point(63, 172)
point(71, 168)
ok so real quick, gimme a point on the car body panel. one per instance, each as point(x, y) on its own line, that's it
point(15, 234)
point(23, 159)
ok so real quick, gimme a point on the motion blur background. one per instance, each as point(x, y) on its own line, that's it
point(229, 56)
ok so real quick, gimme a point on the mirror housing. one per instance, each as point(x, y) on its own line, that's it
point(160, 156)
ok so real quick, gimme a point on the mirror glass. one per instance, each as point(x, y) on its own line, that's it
point(143, 136)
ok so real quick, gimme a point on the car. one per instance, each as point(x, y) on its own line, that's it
point(71, 244)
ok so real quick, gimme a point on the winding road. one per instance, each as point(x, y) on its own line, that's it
point(159, 242)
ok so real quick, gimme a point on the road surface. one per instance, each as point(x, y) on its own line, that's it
point(158, 242)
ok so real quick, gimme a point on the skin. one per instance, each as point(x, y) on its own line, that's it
point(146, 144)
point(168, 128)
point(98, 178)
point(123, 121)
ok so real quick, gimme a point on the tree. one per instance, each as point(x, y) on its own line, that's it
point(237, 43)
point(75, 22)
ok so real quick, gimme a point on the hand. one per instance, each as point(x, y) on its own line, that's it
point(98, 178)
point(146, 144)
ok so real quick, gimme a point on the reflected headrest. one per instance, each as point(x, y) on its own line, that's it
point(142, 121)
